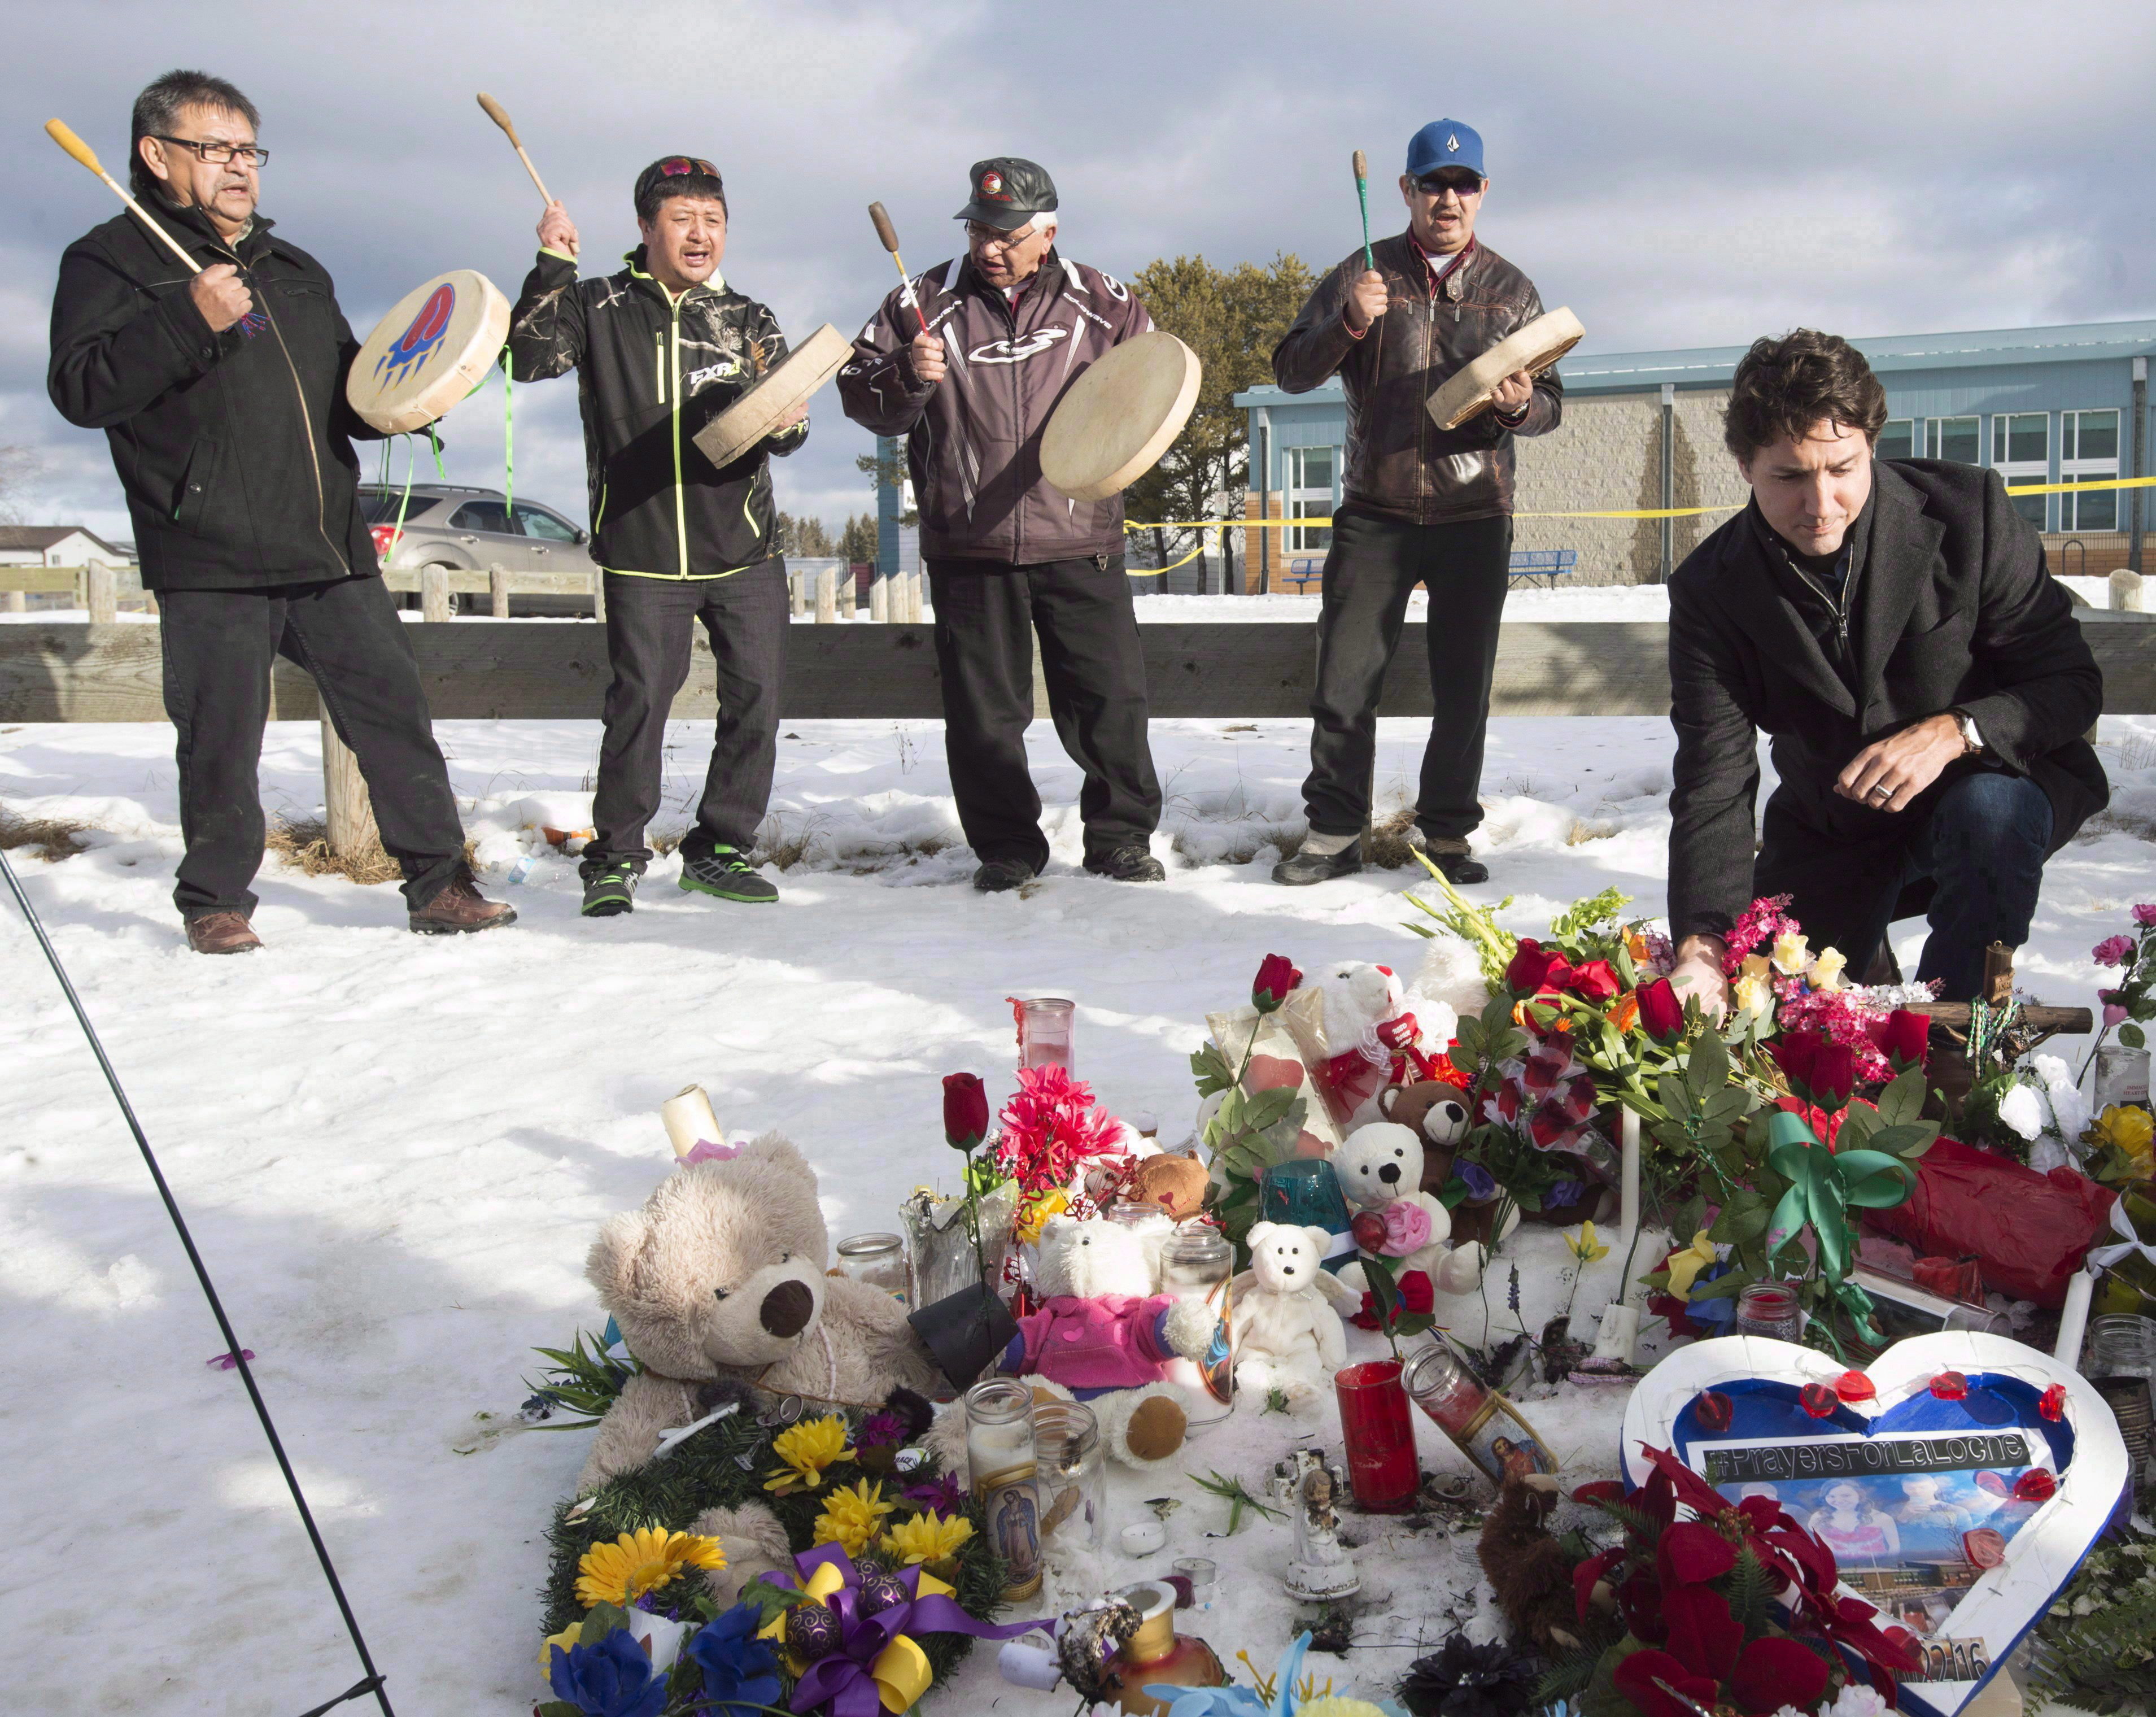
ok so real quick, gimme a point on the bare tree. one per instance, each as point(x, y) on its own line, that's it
point(19, 468)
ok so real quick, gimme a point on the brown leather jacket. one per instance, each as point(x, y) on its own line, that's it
point(1398, 462)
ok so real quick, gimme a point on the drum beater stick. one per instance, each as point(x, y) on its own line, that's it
point(1363, 197)
point(58, 131)
point(889, 235)
point(500, 115)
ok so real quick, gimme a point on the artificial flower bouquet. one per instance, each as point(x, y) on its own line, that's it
point(897, 1561)
point(1734, 1608)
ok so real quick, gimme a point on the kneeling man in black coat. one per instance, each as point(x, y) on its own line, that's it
point(1891, 627)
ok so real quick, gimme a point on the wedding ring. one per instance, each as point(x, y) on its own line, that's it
point(1882, 791)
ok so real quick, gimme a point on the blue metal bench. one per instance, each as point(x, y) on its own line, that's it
point(1304, 571)
point(1547, 564)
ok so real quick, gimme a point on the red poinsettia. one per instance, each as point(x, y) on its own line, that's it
point(1051, 1128)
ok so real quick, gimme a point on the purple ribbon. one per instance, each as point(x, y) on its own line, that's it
point(843, 1679)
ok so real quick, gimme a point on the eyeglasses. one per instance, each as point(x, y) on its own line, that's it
point(675, 166)
point(217, 154)
point(987, 238)
point(1453, 179)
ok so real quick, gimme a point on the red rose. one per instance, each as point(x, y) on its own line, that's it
point(1661, 1015)
point(1902, 1036)
point(1596, 981)
point(1416, 1294)
point(1834, 1075)
point(1530, 962)
point(965, 1110)
point(1276, 976)
point(1796, 1053)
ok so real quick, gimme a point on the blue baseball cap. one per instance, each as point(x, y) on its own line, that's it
point(1442, 143)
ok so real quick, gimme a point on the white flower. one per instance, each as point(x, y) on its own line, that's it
point(2050, 1072)
point(1857, 1700)
point(2023, 1110)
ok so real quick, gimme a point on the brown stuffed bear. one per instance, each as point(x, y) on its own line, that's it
point(1176, 1183)
point(1438, 1111)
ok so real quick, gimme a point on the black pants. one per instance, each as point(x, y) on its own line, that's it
point(219, 646)
point(1096, 693)
point(1372, 566)
point(650, 624)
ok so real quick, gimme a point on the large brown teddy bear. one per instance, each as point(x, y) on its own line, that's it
point(719, 1281)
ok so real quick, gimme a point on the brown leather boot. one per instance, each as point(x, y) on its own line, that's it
point(221, 932)
point(460, 908)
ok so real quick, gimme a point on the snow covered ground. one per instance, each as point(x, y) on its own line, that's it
point(395, 1151)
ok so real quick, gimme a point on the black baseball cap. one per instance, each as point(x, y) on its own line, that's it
point(1008, 192)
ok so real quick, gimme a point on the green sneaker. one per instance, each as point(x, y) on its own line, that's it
point(612, 891)
point(728, 875)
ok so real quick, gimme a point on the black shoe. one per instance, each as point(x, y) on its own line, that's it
point(1126, 864)
point(1001, 876)
point(1299, 869)
point(1460, 867)
point(727, 874)
point(611, 890)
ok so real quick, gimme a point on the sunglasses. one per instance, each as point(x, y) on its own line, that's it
point(1454, 179)
point(675, 166)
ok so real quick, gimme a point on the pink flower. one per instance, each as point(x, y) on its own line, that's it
point(1051, 1128)
point(2112, 951)
point(2145, 915)
point(1407, 1228)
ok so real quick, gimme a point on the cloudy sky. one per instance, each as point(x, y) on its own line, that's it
point(1681, 175)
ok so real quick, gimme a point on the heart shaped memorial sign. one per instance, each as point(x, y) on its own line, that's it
point(1959, 1479)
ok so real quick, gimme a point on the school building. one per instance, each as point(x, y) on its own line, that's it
point(1643, 429)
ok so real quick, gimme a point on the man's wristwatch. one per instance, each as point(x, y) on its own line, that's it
point(1971, 740)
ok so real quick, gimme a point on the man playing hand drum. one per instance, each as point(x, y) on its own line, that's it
point(660, 350)
point(223, 393)
point(1891, 625)
point(1420, 505)
point(1011, 324)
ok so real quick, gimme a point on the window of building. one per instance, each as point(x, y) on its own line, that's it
point(1897, 438)
point(483, 516)
point(1310, 472)
point(2021, 453)
point(1955, 439)
point(2088, 451)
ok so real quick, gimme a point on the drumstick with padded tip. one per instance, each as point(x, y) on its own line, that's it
point(500, 115)
point(58, 131)
point(1363, 197)
point(889, 235)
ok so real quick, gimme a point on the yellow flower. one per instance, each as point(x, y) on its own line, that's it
point(1334, 1705)
point(852, 1515)
point(2132, 1129)
point(807, 1448)
point(1685, 1267)
point(1790, 954)
point(565, 1638)
point(1754, 995)
point(1826, 972)
point(1033, 1215)
point(926, 1538)
point(1583, 1246)
point(642, 1561)
point(1756, 965)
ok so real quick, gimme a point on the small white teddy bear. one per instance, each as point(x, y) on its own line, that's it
point(1380, 1170)
point(1287, 1335)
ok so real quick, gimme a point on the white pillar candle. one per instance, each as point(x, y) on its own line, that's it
point(2073, 1319)
point(1628, 1172)
point(689, 1120)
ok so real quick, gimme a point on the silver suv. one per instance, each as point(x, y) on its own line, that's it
point(446, 524)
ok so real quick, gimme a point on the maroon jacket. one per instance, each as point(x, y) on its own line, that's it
point(974, 442)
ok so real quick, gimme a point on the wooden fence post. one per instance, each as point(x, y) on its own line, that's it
point(598, 597)
point(2126, 590)
point(347, 811)
point(878, 599)
point(434, 592)
point(497, 590)
point(101, 592)
point(13, 602)
point(827, 597)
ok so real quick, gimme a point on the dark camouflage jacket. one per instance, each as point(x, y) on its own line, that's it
point(650, 374)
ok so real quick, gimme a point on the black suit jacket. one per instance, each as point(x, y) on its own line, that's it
point(1952, 608)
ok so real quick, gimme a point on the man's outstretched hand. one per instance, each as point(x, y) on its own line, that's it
point(1888, 774)
point(1697, 975)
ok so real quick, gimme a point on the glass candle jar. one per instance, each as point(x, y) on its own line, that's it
point(1769, 1308)
point(878, 1260)
point(1156, 1655)
point(1196, 1263)
point(1383, 1469)
point(2120, 1360)
point(1483, 1424)
point(1204, 1576)
point(1006, 1474)
point(1073, 1478)
point(1047, 1032)
point(1305, 1192)
point(2122, 1077)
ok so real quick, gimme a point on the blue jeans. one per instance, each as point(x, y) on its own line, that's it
point(1984, 847)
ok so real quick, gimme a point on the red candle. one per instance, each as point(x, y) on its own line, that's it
point(1383, 1469)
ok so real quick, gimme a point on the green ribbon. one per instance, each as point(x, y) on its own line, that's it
point(1824, 1184)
